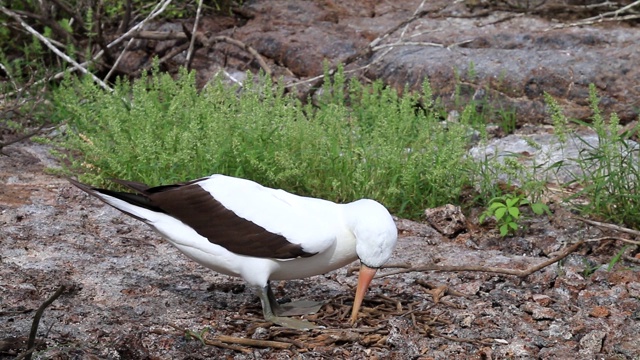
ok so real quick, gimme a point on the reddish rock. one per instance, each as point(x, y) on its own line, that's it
point(542, 300)
point(599, 312)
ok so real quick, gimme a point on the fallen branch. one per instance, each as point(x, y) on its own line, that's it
point(157, 10)
point(519, 273)
point(614, 238)
point(48, 43)
point(604, 17)
point(208, 42)
point(220, 344)
point(353, 269)
point(205, 41)
point(23, 137)
point(193, 39)
point(36, 322)
point(369, 49)
point(253, 342)
point(439, 288)
point(608, 226)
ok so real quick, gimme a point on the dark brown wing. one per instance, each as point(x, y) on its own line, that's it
point(198, 209)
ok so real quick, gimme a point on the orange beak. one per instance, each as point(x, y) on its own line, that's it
point(364, 279)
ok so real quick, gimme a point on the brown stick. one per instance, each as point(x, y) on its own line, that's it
point(227, 346)
point(614, 238)
point(608, 226)
point(519, 273)
point(36, 321)
point(204, 40)
point(253, 342)
point(23, 137)
point(355, 268)
point(315, 85)
point(208, 42)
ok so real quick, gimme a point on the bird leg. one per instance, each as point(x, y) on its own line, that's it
point(270, 315)
point(293, 308)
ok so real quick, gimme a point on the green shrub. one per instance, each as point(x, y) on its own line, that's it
point(360, 141)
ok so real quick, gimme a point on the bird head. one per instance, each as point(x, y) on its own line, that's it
point(376, 235)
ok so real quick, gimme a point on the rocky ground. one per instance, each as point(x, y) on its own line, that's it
point(130, 295)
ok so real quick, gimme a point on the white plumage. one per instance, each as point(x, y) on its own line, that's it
point(241, 228)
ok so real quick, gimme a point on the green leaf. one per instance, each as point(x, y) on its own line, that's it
point(496, 205)
point(499, 214)
point(504, 230)
point(515, 212)
point(482, 217)
point(540, 208)
point(513, 201)
point(513, 225)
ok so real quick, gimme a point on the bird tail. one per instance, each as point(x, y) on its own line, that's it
point(137, 205)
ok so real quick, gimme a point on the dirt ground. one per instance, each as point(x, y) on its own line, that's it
point(130, 295)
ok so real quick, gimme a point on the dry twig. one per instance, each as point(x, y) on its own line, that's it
point(36, 323)
point(608, 226)
point(157, 10)
point(193, 38)
point(519, 273)
point(23, 137)
point(614, 238)
point(48, 43)
point(604, 17)
point(317, 81)
point(253, 342)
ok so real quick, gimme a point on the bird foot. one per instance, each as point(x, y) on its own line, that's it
point(293, 323)
point(296, 308)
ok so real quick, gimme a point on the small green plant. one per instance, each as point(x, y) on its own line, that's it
point(506, 210)
point(589, 268)
point(616, 258)
point(197, 335)
point(609, 170)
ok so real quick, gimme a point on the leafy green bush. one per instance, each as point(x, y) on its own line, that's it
point(361, 141)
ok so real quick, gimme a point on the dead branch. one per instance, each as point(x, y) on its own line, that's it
point(55, 27)
point(519, 273)
point(631, 259)
point(351, 270)
point(231, 342)
point(202, 39)
point(23, 137)
point(157, 10)
point(157, 35)
point(115, 64)
point(604, 17)
point(193, 39)
point(208, 42)
point(126, 18)
point(253, 342)
point(220, 344)
point(440, 287)
point(36, 322)
point(608, 226)
point(48, 43)
point(369, 49)
point(614, 238)
point(406, 43)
